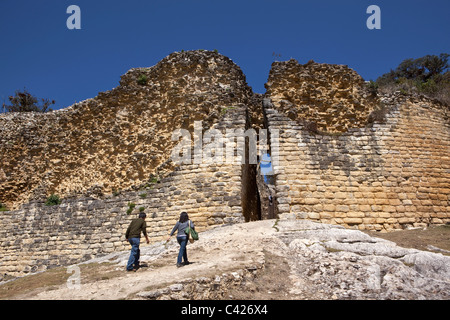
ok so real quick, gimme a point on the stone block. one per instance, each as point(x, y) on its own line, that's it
point(342, 208)
point(355, 214)
point(314, 215)
point(353, 220)
point(311, 201)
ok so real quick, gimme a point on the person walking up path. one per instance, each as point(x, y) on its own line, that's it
point(133, 236)
point(182, 237)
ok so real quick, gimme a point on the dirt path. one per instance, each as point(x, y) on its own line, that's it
point(219, 250)
point(295, 259)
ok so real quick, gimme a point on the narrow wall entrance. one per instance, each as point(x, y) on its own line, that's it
point(251, 202)
point(266, 187)
point(258, 180)
point(258, 191)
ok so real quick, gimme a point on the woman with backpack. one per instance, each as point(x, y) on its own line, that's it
point(182, 237)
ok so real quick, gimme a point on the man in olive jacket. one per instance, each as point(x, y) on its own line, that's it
point(133, 236)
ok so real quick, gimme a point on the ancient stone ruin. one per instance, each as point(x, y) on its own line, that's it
point(340, 155)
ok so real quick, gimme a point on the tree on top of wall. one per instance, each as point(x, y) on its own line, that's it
point(428, 75)
point(23, 101)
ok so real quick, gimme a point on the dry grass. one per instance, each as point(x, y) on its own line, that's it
point(437, 236)
point(54, 278)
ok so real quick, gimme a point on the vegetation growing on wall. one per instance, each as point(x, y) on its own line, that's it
point(428, 75)
point(23, 101)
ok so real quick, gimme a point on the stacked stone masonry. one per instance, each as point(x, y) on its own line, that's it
point(350, 157)
point(38, 237)
point(381, 177)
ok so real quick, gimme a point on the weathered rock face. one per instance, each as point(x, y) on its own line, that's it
point(120, 138)
point(330, 262)
point(330, 98)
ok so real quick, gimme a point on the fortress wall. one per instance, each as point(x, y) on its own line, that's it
point(380, 177)
point(334, 165)
point(38, 237)
point(122, 137)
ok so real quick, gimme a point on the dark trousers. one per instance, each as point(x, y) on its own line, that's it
point(134, 254)
point(183, 251)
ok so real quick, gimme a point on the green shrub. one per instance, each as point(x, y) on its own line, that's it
point(153, 179)
point(3, 207)
point(131, 207)
point(53, 200)
point(23, 101)
point(372, 87)
point(428, 87)
point(142, 80)
point(428, 75)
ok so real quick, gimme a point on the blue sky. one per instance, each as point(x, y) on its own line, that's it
point(39, 52)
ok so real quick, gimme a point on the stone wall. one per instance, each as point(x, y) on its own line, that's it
point(340, 156)
point(326, 97)
point(122, 137)
point(386, 175)
point(38, 237)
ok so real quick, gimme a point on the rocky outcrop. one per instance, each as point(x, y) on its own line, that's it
point(330, 262)
point(326, 262)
